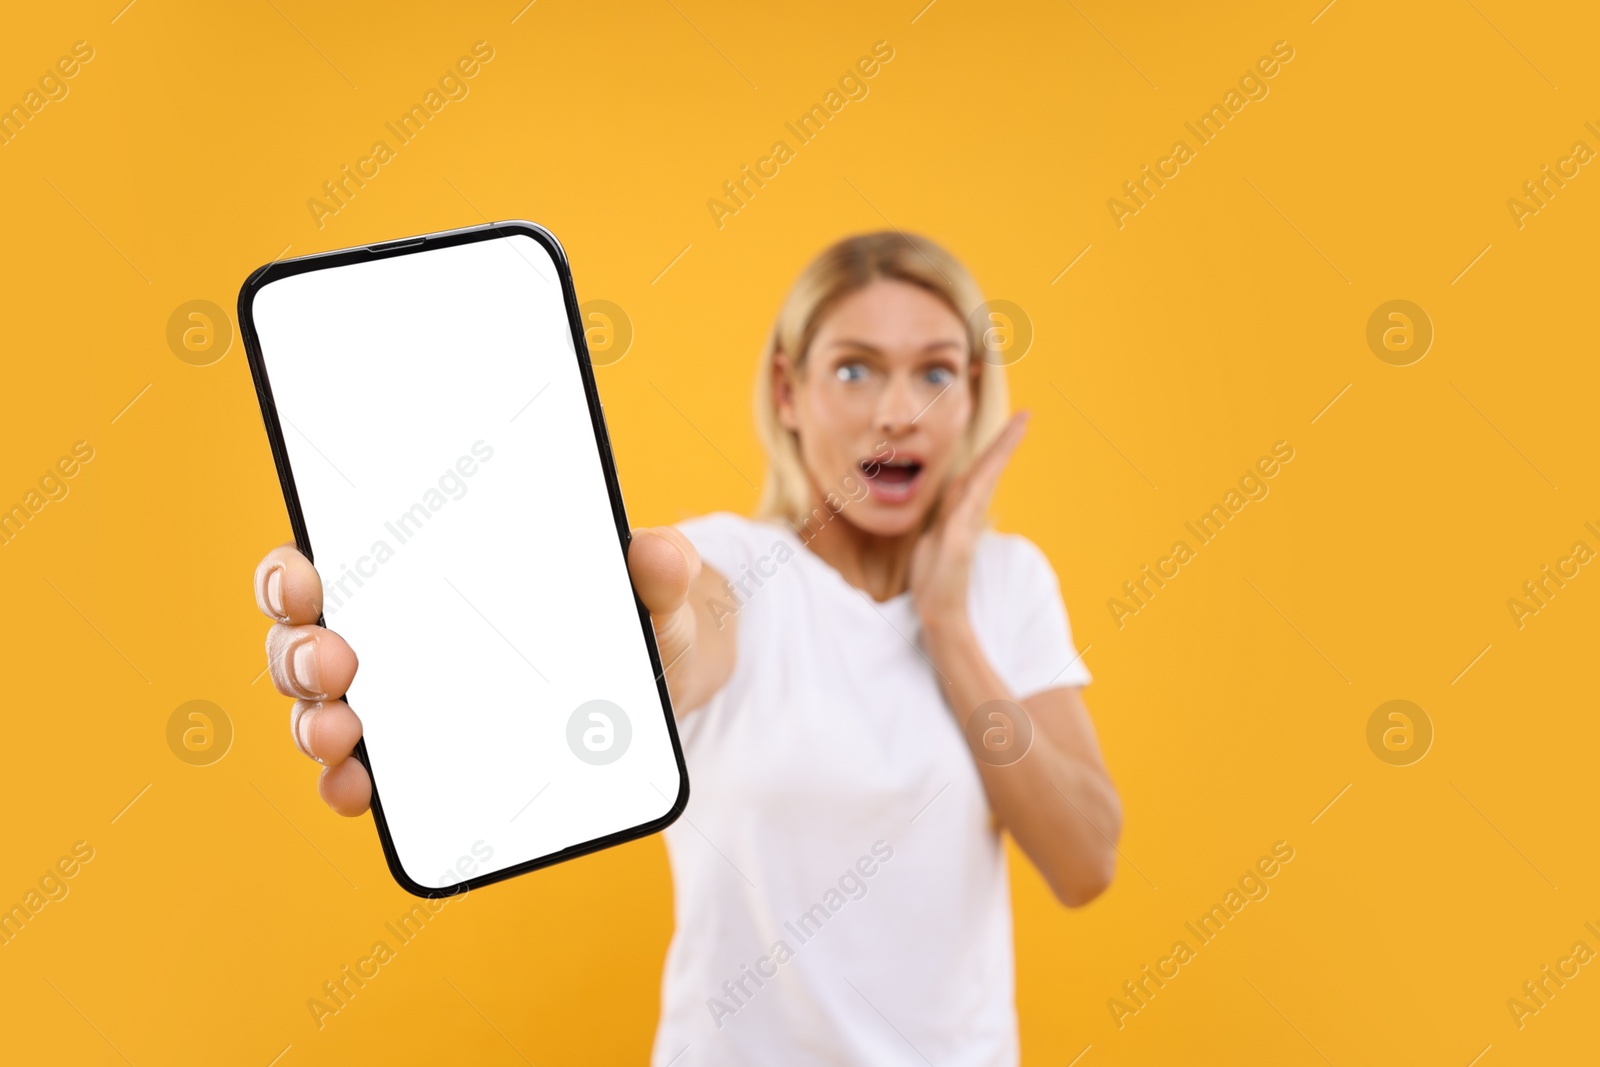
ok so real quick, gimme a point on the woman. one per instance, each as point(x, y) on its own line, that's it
point(870, 686)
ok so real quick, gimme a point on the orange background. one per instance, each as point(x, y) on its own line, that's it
point(1224, 316)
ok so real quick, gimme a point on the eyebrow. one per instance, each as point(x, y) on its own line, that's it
point(851, 342)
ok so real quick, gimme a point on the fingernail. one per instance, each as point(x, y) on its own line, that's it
point(274, 592)
point(303, 730)
point(303, 669)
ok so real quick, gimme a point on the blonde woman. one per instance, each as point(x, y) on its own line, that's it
point(871, 685)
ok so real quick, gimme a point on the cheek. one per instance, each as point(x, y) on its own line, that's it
point(830, 428)
point(966, 405)
point(810, 422)
point(829, 410)
point(948, 417)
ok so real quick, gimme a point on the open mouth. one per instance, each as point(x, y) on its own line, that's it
point(893, 481)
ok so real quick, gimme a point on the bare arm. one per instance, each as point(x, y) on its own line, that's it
point(1057, 800)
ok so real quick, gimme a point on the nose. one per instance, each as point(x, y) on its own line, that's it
point(896, 407)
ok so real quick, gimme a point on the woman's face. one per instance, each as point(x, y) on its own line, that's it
point(885, 396)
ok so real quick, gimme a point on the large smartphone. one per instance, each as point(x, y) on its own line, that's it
point(439, 437)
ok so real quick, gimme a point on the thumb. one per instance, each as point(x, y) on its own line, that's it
point(663, 566)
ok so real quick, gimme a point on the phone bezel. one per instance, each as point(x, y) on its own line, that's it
point(421, 243)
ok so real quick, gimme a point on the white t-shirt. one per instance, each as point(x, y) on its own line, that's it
point(841, 895)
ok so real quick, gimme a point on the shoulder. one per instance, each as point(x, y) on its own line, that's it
point(1012, 582)
point(1018, 607)
point(718, 521)
point(730, 524)
point(1012, 560)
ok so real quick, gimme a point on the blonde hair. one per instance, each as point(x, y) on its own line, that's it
point(841, 269)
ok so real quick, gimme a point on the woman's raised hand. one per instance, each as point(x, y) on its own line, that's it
point(941, 561)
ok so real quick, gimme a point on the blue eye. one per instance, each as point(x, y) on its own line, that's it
point(941, 375)
point(844, 372)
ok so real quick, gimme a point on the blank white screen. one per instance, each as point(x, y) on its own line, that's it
point(436, 425)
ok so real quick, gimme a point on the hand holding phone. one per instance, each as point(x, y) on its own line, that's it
point(442, 450)
point(661, 563)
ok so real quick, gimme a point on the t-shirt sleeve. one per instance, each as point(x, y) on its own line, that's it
point(1040, 651)
point(722, 539)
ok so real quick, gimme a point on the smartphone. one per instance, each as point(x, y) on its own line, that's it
point(442, 449)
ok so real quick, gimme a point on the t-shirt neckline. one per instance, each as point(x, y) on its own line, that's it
point(804, 549)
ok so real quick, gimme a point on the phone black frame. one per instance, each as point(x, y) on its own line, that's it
point(280, 269)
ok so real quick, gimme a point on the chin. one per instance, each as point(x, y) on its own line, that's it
point(881, 520)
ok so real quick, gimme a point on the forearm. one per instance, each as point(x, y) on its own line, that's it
point(1060, 807)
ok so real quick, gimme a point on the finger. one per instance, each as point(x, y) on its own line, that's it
point(984, 474)
point(989, 465)
point(968, 493)
point(288, 588)
point(346, 787)
point(309, 662)
point(325, 730)
point(663, 565)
